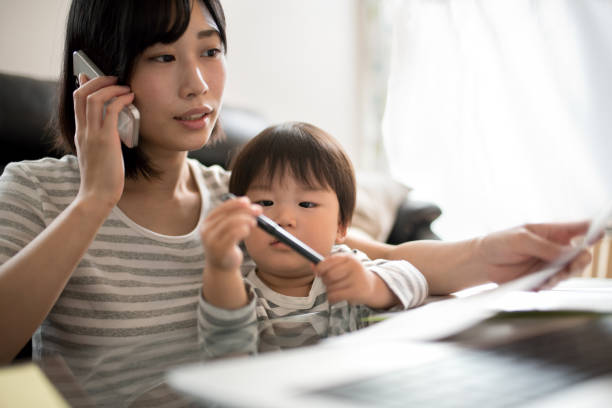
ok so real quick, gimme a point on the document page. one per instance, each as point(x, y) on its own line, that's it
point(576, 294)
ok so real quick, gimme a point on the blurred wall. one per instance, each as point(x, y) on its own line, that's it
point(288, 59)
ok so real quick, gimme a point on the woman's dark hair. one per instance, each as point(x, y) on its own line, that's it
point(113, 33)
point(308, 153)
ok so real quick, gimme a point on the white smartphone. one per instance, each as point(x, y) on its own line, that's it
point(129, 117)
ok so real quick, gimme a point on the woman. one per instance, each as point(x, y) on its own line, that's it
point(102, 246)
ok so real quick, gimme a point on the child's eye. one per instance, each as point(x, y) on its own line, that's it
point(265, 203)
point(307, 204)
point(163, 58)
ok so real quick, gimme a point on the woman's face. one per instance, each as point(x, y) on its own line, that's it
point(179, 87)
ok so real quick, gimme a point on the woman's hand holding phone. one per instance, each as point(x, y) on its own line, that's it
point(97, 141)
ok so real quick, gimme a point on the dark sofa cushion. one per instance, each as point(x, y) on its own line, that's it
point(27, 106)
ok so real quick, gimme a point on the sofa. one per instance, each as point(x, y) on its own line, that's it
point(27, 104)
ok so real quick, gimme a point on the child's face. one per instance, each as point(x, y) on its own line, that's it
point(312, 215)
point(179, 87)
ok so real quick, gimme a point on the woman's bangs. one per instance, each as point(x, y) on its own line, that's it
point(162, 21)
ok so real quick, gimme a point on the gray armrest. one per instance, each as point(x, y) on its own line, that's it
point(27, 105)
point(413, 222)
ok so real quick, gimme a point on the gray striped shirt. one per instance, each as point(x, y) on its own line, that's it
point(131, 284)
point(278, 314)
point(133, 302)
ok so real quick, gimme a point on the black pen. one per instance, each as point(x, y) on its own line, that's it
point(282, 235)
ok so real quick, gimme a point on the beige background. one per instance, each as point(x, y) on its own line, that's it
point(288, 59)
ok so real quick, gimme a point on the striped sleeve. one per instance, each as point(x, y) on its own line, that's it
point(223, 331)
point(402, 278)
point(21, 211)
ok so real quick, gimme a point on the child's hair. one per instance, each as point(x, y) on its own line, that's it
point(308, 153)
point(113, 33)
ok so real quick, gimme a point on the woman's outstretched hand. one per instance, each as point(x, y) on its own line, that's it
point(497, 257)
point(509, 254)
point(97, 104)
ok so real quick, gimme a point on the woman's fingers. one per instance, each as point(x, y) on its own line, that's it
point(561, 233)
point(580, 262)
point(86, 88)
point(532, 244)
point(111, 119)
point(545, 239)
point(574, 268)
point(96, 105)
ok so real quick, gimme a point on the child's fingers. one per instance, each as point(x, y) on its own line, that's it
point(323, 267)
point(223, 220)
point(240, 203)
point(340, 294)
point(228, 210)
point(331, 270)
point(223, 253)
point(230, 260)
point(338, 286)
point(335, 275)
point(228, 231)
point(225, 227)
point(331, 263)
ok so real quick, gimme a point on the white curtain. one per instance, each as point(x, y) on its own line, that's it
point(500, 111)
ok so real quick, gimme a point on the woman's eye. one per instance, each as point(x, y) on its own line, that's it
point(307, 204)
point(163, 58)
point(265, 203)
point(213, 52)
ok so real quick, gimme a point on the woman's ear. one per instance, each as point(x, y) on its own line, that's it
point(341, 233)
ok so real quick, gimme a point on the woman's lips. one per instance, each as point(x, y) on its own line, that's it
point(195, 119)
point(194, 122)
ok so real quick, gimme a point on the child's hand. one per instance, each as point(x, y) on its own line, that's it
point(223, 229)
point(347, 279)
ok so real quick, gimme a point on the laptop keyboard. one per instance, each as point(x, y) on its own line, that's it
point(504, 376)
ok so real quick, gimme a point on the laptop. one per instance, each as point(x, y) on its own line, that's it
point(569, 367)
point(404, 361)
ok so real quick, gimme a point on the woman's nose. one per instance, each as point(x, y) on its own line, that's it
point(194, 82)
